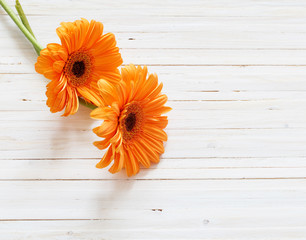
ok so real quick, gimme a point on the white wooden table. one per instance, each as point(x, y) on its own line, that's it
point(235, 162)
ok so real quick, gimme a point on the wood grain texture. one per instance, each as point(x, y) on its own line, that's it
point(235, 161)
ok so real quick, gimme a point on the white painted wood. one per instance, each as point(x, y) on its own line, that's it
point(187, 168)
point(202, 143)
point(235, 161)
point(176, 57)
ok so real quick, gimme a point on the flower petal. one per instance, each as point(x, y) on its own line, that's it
point(106, 160)
point(155, 132)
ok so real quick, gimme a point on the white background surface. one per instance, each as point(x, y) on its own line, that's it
point(235, 162)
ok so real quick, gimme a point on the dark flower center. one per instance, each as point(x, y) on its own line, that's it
point(78, 68)
point(130, 121)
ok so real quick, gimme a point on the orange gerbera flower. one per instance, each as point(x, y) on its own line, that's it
point(75, 66)
point(133, 125)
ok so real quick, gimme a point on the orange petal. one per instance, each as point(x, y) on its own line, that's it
point(107, 92)
point(141, 156)
point(128, 167)
point(91, 95)
point(153, 156)
point(105, 44)
point(58, 66)
point(59, 101)
point(106, 160)
point(156, 91)
point(156, 103)
point(72, 104)
point(57, 94)
point(118, 163)
point(154, 144)
point(155, 132)
point(149, 85)
point(104, 113)
point(94, 32)
point(102, 144)
point(112, 76)
point(51, 74)
point(132, 166)
point(65, 39)
point(109, 61)
point(158, 121)
point(158, 111)
point(107, 128)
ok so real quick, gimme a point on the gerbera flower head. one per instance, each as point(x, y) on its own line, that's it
point(84, 56)
point(133, 125)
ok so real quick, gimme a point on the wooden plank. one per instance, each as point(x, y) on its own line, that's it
point(175, 163)
point(152, 57)
point(196, 78)
point(180, 118)
point(68, 143)
point(201, 168)
point(14, 62)
point(289, 8)
point(123, 206)
point(174, 32)
point(99, 229)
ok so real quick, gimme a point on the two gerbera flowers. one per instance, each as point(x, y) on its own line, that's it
point(84, 69)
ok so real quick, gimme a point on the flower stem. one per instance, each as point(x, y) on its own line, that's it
point(87, 104)
point(23, 17)
point(25, 22)
point(22, 27)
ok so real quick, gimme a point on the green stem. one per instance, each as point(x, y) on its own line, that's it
point(24, 26)
point(25, 21)
point(23, 17)
point(24, 30)
point(87, 104)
